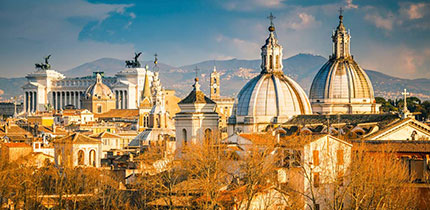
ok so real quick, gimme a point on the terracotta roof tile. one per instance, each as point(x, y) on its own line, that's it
point(119, 113)
point(196, 97)
point(105, 134)
point(16, 145)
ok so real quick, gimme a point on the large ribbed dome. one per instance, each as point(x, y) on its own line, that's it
point(271, 97)
point(341, 85)
point(98, 90)
point(341, 80)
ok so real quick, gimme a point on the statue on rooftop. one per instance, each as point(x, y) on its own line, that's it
point(44, 66)
point(133, 63)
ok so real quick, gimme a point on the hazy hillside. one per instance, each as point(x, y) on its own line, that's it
point(10, 87)
point(234, 74)
point(108, 65)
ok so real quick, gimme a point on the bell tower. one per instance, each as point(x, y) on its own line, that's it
point(215, 84)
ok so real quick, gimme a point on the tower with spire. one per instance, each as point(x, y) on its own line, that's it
point(214, 84)
point(224, 106)
point(145, 103)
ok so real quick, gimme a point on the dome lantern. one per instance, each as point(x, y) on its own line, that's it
point(271, 52)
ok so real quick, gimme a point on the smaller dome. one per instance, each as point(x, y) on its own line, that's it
point(99, 90)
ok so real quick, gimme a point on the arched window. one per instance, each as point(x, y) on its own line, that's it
point(93, 157)
point(145, 121)
point(184, 136)
point(81, 158)
point(208, 135)
point(277, 61)
point(99, 109)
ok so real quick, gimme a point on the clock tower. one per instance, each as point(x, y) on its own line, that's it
point(215, 87)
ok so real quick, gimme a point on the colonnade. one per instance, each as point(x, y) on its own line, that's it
point(60, 99)
point(121, 99)
point(30, 101)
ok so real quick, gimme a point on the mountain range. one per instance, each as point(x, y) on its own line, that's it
point(234, 74)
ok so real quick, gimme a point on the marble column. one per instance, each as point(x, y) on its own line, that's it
point(53, 99)
point(31, 101)
point(116, 99)
point(61, 99)
point(125, 100)
point(35, 101)
point(25, 101)
point(121, 99)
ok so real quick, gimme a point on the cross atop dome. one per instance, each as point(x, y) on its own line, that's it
point(272, 26)
point(196, 84)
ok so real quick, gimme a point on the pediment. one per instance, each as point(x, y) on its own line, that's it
point(122, 84)
point(407, 129)
point(31, 85)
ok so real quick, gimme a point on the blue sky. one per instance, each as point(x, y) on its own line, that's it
point(388, 36)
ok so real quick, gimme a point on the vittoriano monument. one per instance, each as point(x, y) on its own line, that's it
point(44, 66)
point(133, 63)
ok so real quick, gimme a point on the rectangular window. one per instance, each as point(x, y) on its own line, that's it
point(316, 157)
point(339, 155)
point(316, 179)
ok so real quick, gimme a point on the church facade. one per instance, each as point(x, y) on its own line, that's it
point(48, 88)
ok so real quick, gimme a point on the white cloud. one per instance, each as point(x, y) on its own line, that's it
point(246, 5)
point(400, 61)
point(132, 15)
point(46, 27)
point(417, 11)
point(305, 21)
point(297, 20)
point(239, 48)
point(350, 5)
point(379, 21)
